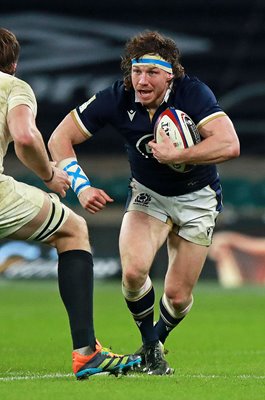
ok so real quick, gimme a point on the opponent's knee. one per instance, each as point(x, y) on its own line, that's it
point(83, 225)
point(72, 235)
point(79, 226)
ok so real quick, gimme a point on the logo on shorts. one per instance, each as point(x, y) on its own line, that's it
point(142, 199)
point(209, 232)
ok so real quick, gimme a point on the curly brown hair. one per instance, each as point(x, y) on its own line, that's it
point(9, 51)
point(150, 42)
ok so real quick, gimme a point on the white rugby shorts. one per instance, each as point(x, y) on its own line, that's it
point(20, 203)
point(192, 215)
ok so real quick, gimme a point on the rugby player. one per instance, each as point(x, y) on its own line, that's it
point(29, 213)
point(163, 205)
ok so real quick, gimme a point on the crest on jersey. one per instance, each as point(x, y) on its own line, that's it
point(142, 145)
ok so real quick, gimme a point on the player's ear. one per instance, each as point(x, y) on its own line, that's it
point(170, 77)
point(13, 68)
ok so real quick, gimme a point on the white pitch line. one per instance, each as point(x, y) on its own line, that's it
point(198, 376)
point(34, 377)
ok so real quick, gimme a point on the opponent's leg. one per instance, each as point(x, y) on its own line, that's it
point(61, 228)
point(75, 275)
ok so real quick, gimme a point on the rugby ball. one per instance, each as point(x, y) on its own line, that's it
point(180, 129)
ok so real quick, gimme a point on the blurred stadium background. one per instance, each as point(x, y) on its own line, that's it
point(72, 49)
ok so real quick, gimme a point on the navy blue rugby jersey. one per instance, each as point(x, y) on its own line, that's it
point(117, 106)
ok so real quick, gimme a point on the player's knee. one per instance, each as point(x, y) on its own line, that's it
point(80, 220)
point(134, 277)
point(72, 235)
point(181, 302)
point(74, 231)
point(79, 226)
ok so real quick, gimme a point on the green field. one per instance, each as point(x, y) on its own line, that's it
point(218, 352)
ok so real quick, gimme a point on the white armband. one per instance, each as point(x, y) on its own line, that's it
point(79, 180)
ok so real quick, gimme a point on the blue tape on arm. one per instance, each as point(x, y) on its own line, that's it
point(79, 180)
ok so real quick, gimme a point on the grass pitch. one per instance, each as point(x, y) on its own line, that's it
point(218, 352)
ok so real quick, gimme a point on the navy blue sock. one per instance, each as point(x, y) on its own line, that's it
point(143, 313)
point(165, 323)
point(76, 281)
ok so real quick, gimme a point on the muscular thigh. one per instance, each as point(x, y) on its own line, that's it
point(58, 226)
point(19, 204)
point(141, 236)
point(29, 213)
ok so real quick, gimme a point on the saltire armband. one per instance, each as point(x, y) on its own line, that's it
point(79, 180)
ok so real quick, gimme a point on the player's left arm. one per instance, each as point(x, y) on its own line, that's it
point(220, 143)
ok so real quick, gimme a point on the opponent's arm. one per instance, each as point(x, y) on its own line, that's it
point(61, 146)
point(30, 149)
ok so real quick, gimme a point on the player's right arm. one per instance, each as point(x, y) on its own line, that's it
point(61, 146)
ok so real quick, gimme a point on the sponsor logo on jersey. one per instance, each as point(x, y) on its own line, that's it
point(131, 114)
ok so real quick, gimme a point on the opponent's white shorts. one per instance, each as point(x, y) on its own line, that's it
point(192, 215)
point(20, 203)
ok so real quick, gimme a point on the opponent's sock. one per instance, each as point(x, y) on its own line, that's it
point(76, 281)
point(169, 318)
point(141, 306)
